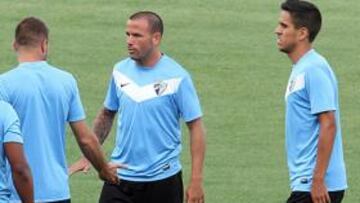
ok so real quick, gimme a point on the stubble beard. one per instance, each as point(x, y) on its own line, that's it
point(141, 59)
point(288, 49)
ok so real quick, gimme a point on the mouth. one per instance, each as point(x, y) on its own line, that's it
point(131, 51)
point(278, 40)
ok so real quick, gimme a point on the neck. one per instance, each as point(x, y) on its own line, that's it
point(30, 56)
point(151, 60)
point(299, 51)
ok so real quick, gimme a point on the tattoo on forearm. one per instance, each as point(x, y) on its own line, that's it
point(103, 123)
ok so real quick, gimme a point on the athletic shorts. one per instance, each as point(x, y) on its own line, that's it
point(62, 201)
point(169, 190)
point(305, 197)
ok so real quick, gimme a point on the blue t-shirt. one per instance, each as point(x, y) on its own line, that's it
point(150, 102)
point(45, 98)
point(9, 132)
point(312, 89)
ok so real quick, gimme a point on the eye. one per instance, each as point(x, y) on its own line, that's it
point(283, 25)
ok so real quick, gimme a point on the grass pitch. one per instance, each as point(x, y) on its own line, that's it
point(229, 47)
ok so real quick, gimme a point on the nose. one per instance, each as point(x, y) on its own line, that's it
point(129, 40)
point(277, 30)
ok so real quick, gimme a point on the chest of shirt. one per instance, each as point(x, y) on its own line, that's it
point(296, 89)
point(156, 94)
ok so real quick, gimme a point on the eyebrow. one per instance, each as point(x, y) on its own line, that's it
point(283, 24)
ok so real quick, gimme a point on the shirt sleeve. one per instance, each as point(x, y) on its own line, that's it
point(3, 92)
point(187, 100)
point(111, 100)
point(321, 91)
point(12, 132)
point(76, 110)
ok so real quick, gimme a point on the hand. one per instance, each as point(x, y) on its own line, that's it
point(195, 193)
point(319, 193)
point(82, 165)
point(109, 173)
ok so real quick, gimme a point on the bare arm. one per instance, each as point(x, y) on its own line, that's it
point(325, 145)
point(103, 123)
point(20, 171)
point(91, 149)
point(195, 192)
point(101, 127)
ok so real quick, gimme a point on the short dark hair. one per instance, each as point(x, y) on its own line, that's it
point(154, 20)
point(30, 32)
point(304, 14)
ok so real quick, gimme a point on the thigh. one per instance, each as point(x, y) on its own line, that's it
point(115, 194)
point(337, 196)
point(169, 190)
point(299, 197)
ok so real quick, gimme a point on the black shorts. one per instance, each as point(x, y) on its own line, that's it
point(305, 197)
point(169, 190)
point(62, 201)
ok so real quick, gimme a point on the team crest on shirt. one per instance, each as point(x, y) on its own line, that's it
point(160, 87)
point(295, 84)
point(291, 85)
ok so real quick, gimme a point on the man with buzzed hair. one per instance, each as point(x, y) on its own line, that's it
point(46, 98)
point(151, 92)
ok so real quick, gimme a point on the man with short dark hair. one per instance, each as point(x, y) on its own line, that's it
point(313, 132)
point(151, 92)
point(11, 149)
point(46, 98)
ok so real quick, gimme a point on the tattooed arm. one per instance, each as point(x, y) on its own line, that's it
point(103, 123)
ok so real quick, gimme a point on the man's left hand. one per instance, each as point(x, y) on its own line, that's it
point(319, 193)
point(195, 193)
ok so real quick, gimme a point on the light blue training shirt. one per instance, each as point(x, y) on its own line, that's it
point(150, 103)
point(9, 132)
point(312, 89)
point(45, 98)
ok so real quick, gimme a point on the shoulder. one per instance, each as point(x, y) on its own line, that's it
point(174, 67)
point(5, 108)
point(61, 74)
point(124, 64)
point(59, 70)
point(317, 64)
point(13, 72)
point(318, 60)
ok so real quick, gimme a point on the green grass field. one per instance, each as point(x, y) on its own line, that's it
point(229, 47)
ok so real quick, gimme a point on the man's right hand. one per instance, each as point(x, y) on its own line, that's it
point(109, 173)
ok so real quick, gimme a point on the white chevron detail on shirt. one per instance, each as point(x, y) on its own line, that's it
point(150, 91)
point(295, 84)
